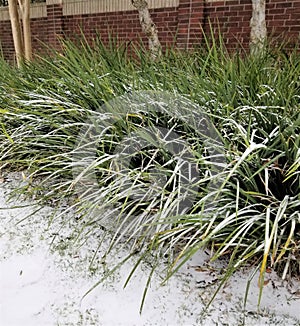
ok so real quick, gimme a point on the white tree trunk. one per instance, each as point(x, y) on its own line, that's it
point(258, 33)
point(16, 30)
point(148, 27)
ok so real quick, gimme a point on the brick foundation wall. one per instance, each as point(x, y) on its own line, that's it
point(232, 19)
point(179, 22)
point(283, 20)
point(6, 41)
point(124, 26)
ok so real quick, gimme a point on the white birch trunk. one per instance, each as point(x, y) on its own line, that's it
point(258, 33)
point(148, 27)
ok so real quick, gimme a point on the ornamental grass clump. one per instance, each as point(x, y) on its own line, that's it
point(195, 150)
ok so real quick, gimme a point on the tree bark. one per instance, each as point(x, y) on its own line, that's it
point(25, 15)
point(16, 30)
point(148, 27)
point(19, 10)
point(258, 33)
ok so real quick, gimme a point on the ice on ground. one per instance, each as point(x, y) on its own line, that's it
point(44, 285)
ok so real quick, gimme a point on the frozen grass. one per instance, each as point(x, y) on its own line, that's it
point(63, 120)
point(52, 282)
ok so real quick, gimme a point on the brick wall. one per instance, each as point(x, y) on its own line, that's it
point(190, 22)
point(125, 26)
point(179, 22)
point(283, 19)
point(232, 19)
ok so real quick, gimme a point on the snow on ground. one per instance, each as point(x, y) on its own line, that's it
point(44, 285)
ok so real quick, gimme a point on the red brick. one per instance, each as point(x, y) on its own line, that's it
point(232, 18)
point(283, 5)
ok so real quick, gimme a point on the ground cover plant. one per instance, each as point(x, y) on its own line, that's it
point(124, 140)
